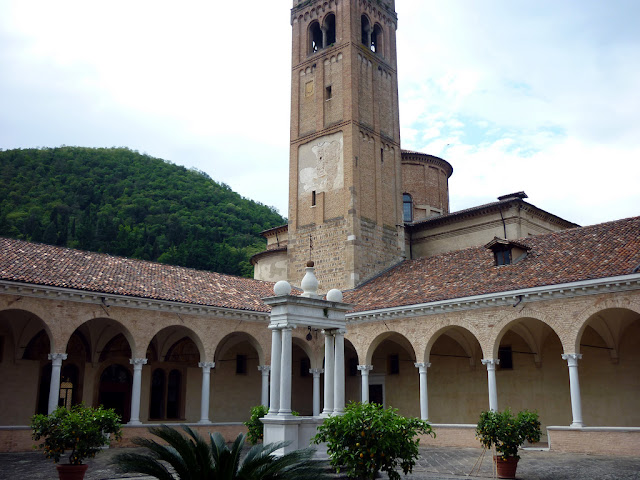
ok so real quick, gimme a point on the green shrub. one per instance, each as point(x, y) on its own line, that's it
point(255, 427)
point(82, 430)
point(368, 439)
point(508, 432)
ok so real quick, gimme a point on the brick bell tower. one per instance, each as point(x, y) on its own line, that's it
point(345, 196)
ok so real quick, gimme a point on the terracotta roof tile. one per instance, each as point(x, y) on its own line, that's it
point(40, 264)
point(604, 250)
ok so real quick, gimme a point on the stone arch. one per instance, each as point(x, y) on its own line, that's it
point(377, 40)
point(597, 317)
point(99, 331)
point(314, 35)
point(329, 24)
point(461, 335)
point(504, 325)
point(166, 338)
point(232, 339)
point(397, 337)
point(22, 326)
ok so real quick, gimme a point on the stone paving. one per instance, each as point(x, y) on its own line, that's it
point(434, 463)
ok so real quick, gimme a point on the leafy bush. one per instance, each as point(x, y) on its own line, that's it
point(83, 430)
point(193, 459)
point(369, 438)
point(508, 432)
point(255, 427)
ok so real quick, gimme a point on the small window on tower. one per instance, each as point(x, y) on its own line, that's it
point(330, 28)
point(313, 198)
point(328, 93)
point(315, 37)
point(376, 39)
point(366, 31)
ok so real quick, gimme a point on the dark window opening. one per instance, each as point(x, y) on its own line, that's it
point(68, 386)
point(315, 37)
point(503, 257)
point(313, 198)
point(382, 155)
point(366, 31)
point(1, 348)
point(376, 40)
point(241, 364)
point(407, 208)
point(305, 366)
point(394, 364)
point(173, 394)
point(330, 29)
point(505, 355)
point(158, 385)
point(353, 367)
point(328, 92)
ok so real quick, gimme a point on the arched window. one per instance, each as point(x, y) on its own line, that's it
point(330, 30)
point(407, 208)
point(315, 37)
point(366, 31)
point(376, 40)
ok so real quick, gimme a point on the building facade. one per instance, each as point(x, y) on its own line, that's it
point(501, 305)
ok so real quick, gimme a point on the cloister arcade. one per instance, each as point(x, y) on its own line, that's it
point(98, 358)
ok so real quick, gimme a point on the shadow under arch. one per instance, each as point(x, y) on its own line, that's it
point(396, 337)
point(22, 326)
point(610, 323)
point(234, 338)
point(462, 336)
point(165, 340)
point(99, 332)
point(532, 330)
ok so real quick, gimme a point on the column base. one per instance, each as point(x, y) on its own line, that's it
point(577, 425)
point(134, 422)
point(204, 420)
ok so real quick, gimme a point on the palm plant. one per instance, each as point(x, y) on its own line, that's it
point(195, 459)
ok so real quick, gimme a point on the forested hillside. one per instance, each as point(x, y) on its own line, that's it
point(117, 201)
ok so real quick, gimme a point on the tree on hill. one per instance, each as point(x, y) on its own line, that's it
point(117, 201)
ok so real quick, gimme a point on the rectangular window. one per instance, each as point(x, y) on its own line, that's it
point(313, 198)
point(503, 257)
point(382, 155)
point(241, 364)
point(305, 365)
point(394, 364)
point(353, 367)
point(328, 93)
point(506, 358)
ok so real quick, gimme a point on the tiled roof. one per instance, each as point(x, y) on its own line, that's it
point(40, 264)
point(604, 250)
point(479, 209)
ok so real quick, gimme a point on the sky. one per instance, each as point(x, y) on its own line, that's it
point(518, 95)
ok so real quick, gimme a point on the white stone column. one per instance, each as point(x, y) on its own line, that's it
point(135, 390)
point(364, 373)
point(424, 395)
point(491, 380)
point(316, 389)
point(264, 398)
point(339, 376)
point(206, 388)
point(574, 385)
point(329, 370)
point(54, 386)
point(285, 373)
point(276, 358)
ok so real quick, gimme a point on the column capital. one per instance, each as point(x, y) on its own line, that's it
point(422, 366)
point(138, 362)
point(340, 331)
point(316, 371)
point(207, 365)
point(490, 363)
point(264, 368)
point(572, 358)
point(328, 332)
point(57, 357)
point(365, 368)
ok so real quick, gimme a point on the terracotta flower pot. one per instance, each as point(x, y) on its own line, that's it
point(71, 472)
point(506, 467)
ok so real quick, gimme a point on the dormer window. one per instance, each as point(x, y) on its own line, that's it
point(506, 252)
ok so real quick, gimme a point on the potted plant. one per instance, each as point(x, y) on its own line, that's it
point(80, 431)
point(507, 433)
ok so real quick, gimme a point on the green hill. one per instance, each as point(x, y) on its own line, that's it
point(117, 201)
